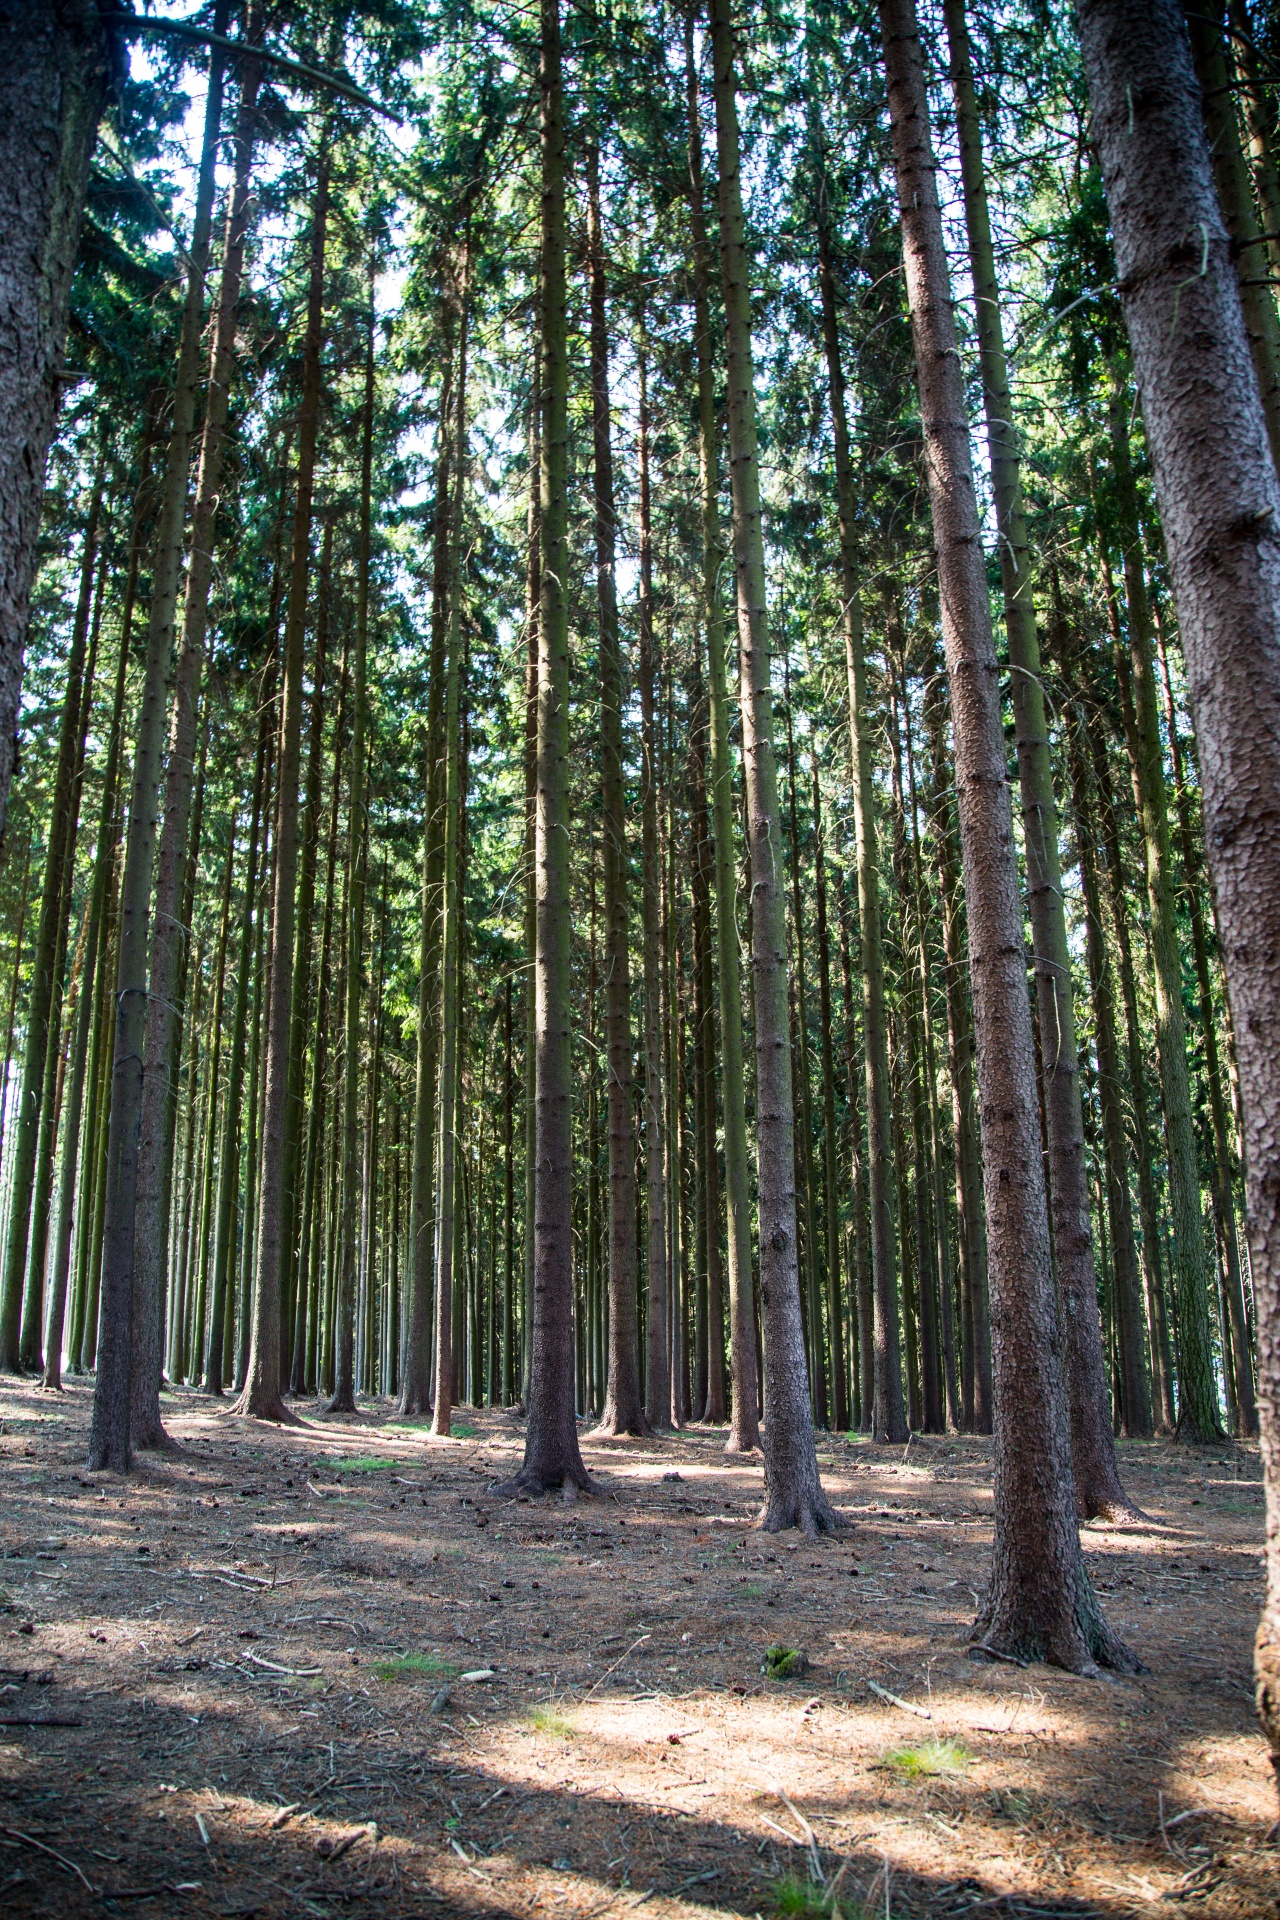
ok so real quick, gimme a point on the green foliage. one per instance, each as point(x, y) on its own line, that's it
point(785, 1663)
point(931, 1757)
point(547, 1718)
point(406, 1666)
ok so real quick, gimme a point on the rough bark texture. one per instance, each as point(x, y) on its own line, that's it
point(1093, 1453)
point(54, 71)
point(552, 1456)
point(793, 1491)
point(887, 1419)
point(1040, 1603)
point(1220, 508)
point(623, 1406)
point(744, 1420)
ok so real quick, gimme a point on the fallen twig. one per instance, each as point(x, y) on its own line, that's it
point(896, 1700)
point(617, 1663)
point(40, 1847)
point(298, 1673)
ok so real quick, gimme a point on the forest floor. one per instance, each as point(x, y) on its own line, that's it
point(327, 1671)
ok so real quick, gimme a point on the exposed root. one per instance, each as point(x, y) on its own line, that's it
point(268, 1407)
point(534, 1486)
point(812, 1513)
point(618, 1430)
point(342, 1402)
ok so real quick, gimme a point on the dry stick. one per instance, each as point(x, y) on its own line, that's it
point(883, 1693)
point(617, 1663)
point(40, 1847)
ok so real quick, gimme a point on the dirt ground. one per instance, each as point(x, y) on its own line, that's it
point(325, 1670)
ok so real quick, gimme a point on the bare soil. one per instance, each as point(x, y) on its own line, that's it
point(238, 1684)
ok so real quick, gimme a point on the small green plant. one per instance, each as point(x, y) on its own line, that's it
point(752, 1591)
point(404, 1665)
point(932, 1756)
point(460, 1432)
point(549, 1720)
point(364, 1463)
point(785, 1663)
point(797, 1899)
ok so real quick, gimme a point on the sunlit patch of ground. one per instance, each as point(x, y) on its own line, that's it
point(327, 1671)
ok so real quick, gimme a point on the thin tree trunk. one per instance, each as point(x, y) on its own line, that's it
point(1220, 508)
point(744, 1424)
point(794, 1494)
point(552, 1457)
point(169, 932)
point(830, 1186)
point(56, 66)
point(1040, 1602)
point(1097, 1474)
point(658, 1369)
point(624, 1407)
point(261, 1396)
point(887, 1417)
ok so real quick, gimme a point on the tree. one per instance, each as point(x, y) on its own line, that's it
point(1220, 508)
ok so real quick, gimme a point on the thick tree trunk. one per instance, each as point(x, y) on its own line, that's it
point(1093, 1454)
point(54, 70)
point(552, 1456)
point(793, 1491)
point(744, 1427)
point(624, 1406)
point(1220, 508)
point(1040, 1603)
point(261, 1397)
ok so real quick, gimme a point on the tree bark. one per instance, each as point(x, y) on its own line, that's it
point(1097, 1474)
point(169, 932)
point(55, 64)
point(552, 1456)
point(744, 1423)
point(1220, 508)
point(1040, 1603)
point(793, 1492)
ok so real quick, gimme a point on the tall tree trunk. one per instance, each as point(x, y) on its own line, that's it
point(343, 1400)
point(169, 934)
point(44, 992)
point(802, 1081)
point(887, 1418)
point(658, 1369)
point(1040, 1602)
point(552, 1457)
point(261, 1396)
point(448, 1158)
point(830, 1185)
point(624, 1406)
point(744, 1427)
point(55, 66)
point(1135, 1393)
point(793, 1491)
point(1198, 1412)
point(1097, 1474)
point(415, 1395)
point(1220, 507)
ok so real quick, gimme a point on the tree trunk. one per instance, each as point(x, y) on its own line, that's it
point(624, 1406)
point(448, 1159)
point(1220, 507)
point(887, 1419)
point(793, 1491)
point(1040, 1603)
point(1097, 1474)
point(830, 1187)
point(1198, 1412)
point(552, 1457)
point(658, 1369)
point(261, 1397)
point(169, 933)
point(55, 65)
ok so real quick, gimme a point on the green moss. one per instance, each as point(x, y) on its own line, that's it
point(785, 1663)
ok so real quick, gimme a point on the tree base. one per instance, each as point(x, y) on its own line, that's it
point(535, 1485)
point(255, 1404)
point(1078, 1641)
point(343, 1401)
point(1118, 1513)
point(616, 1427)
point(811, 1511)
point(745, 1441)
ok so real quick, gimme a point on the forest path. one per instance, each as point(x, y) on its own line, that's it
point(249, 1638)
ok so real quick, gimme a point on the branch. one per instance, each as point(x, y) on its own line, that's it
point(315, 76)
